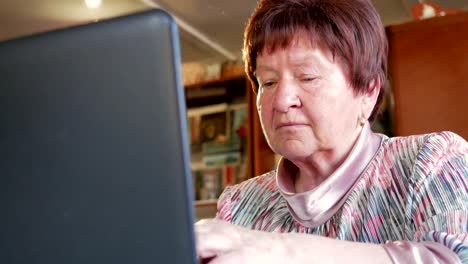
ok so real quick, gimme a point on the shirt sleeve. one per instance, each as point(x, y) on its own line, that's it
point(427, 252)
point(224, 207)
point(438, 205)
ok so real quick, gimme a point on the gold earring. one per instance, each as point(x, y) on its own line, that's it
point(362, 121)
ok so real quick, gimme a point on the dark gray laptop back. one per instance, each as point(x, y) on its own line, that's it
point(94, 160)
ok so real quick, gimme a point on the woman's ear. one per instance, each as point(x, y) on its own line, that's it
point(369, 97)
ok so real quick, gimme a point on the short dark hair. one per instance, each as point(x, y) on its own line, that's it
point(351, 29)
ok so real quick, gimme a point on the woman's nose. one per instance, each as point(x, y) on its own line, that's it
point(286, 96)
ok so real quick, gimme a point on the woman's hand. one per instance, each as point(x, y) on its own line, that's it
point(219, 242)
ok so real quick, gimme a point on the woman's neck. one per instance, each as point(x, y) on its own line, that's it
point(319, 166)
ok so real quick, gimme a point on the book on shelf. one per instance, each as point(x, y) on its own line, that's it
point(213, 127)
point(210, 182)
point(208, 109)
point(234, 174)
point(220, 159)
point(238, 121)
point(206, 123)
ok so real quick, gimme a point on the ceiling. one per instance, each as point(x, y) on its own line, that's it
point(210, 30)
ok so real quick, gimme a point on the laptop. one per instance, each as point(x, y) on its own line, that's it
point(94, 158)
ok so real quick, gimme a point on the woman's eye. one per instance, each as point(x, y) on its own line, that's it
point(267, 84)
point(308, 79)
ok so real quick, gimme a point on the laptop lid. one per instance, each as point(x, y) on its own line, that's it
point(94, 160)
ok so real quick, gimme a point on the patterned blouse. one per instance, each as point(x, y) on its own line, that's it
point(407, 193)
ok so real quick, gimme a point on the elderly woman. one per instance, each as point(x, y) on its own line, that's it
point(341, 193)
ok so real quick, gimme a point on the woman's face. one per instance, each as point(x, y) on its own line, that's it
point(305, 103)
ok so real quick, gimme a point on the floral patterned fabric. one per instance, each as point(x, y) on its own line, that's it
point(414, 190)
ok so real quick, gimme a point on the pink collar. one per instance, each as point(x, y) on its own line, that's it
point(315, 207)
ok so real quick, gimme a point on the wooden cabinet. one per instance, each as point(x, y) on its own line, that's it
point(428, 70)
point(217, 102)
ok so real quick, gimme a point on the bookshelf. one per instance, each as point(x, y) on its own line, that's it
point(226, 140)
